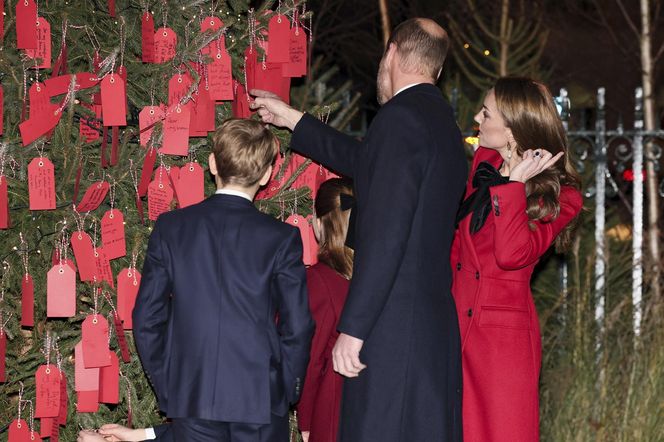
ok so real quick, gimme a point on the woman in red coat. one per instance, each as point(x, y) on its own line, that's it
point(522, 197)
point(327, 281)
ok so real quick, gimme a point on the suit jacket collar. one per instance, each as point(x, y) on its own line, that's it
point(421, 87)
point(229, 200)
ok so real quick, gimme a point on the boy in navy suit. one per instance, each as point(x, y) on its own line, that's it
point(216, 277)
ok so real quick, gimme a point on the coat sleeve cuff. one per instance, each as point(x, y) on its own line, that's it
point(509, 198)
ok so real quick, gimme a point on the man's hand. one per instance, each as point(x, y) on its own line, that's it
point(305, 436)
point(346, 356)
point(116, 433)
point(89, 436)
point(532, 163)
point(273, 110)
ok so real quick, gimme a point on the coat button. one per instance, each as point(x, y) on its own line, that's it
point(477, 275)
point(458, 266)
point(470, 312)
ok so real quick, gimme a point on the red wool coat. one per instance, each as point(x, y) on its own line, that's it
point(318, 409)
point(500, 336)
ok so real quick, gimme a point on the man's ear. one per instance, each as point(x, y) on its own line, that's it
point(266, 176)
point(213, 164)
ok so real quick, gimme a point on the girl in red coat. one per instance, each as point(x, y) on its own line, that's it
point(522, 197)
point(327, 281)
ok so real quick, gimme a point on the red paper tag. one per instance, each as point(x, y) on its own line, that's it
point(81, 244)
point(176, 131)
point(278, 39)
point(55, 433)
point(122, 340)
point(20, 432)
point(273, 186)
point(165, 42)
point(220, 76)
point(178, 86)
point(129, 281)
point(147, 37)
point(88, 126)
point(46, 426)
point(160, 196)
point(47, 386)
point(146, 118)
point(43, 49)
point(40, 100)
point(4, 203)
point(27, 301)
point(95, 342)
point(64, 399)
point(61, 292)
point(85, 379)
point(297, 64)
point(93, 197)
point(268, 78)
point(38, 126)
point(215, 24)
point(114, 100)
point(41, 184)
point(202, 116)
point(240, 106)
point(113, 234)
point(146, 172)
point(103, 270)
point(250, 64)
point(109, 381)
point(190, 185)
point(3, 355)
point(87, 401)
point(301, 223)
point(26, 24)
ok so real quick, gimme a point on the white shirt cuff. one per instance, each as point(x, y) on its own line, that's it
point(149, 434)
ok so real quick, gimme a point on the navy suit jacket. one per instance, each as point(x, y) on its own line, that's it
point(216, 277)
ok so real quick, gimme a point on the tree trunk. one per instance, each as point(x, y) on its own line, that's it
point(385, 21)
point(647, 78)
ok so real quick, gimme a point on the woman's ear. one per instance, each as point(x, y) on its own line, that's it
point(510, 136)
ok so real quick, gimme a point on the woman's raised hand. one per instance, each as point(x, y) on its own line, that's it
point(533, 162)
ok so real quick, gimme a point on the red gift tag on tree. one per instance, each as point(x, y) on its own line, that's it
point(40, 100)
point(94, 333)
point(88, 126)
point(191, 184)
point(47, 391)
point(4, 203)
point(41, 184)
point(43, 49)
point(214, 24)
point(27, 301)
point(220, 76)
point(146, 172)
point(81, 244)
point(40, 125)
point(114, 100)
point(103, 270)
point(147, 37)
point(129, 280)
point(3, 355)
point(268, 77)
point(122, 340)
point(240, 106)
point(86, 382)
point(165, 42)
point(109, 381)
point(93, 197)
point(297, 63)
point(279, 39)
point(273, 186)
point(147, 117)
point(160, 196)
point(20, 432)
point(26, 24)
point(61, 292)
point(46, 425)
point(250, 65)
point(301, 223)
point(64, 400)
point(178, 86)
point(176, 131)
point(202, 113)
point(113, 234)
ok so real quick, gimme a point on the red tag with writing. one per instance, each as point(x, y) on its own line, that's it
point(268, 78)
point(190, 184)
point(27, 301)
point(93, 197)
point(178, 86)
point(109, 381)
point(278, 39)
point(4, 203)
point(220, 76)
point(129, 281)
point(94, 333)
point(114, 100)
point(176, 131)
point(113, 234)
point(214, 24)
point(202, 113)
point(160, 195)
point(26, 24)
point(85, 379)
point(122, 340)
point(61, 292)
point(147, 37)
point(39, 125)
point(64, 399)
point(147, 117)
point(40, 100)
point(47, 386)
point(240, 105)
point(81, 244)
point(88, 126)
point(41, 184)
point(20, 432)
point(3, 356)
point(43, 49)
point(301, 223)
point(297, 63)
point(165, 42)
point(146, 172)
point(103, 270)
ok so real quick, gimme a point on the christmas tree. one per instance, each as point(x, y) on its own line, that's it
point(106, 110)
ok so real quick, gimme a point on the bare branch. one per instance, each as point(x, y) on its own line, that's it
point(628, 19)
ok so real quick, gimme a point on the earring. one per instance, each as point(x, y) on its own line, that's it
point(509, 151)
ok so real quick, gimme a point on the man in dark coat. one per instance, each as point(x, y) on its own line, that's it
point(409, 175)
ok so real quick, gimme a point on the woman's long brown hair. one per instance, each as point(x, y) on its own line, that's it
point(530, 112)
point(334, 225)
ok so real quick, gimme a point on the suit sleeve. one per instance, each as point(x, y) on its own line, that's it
point(385, 215)
point(151, 314)
point(325, 319)
point(516, 244)
point(295, 326)
point(326, 145)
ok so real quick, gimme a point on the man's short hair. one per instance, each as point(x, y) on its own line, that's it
point(419, 49)
point(243, 150)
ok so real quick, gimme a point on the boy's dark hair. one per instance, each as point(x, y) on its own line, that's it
point(243, 150)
